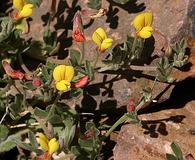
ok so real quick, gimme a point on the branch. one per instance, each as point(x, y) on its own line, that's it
point(143, 68)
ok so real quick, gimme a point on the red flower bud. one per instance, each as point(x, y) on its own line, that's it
point(131, 100)
point(82, 82)
point(131, 108)
point(10, 71)
point(77, 33)
point(36, 82)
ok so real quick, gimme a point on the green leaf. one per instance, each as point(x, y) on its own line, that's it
point(90, 70)
point(33, 140)
point(17, 106)
point(6, 28)
point(75, 150)
point(86, 144)
point(35, 2)
point(8, 144)
point(40, 113)
point(164, 69)
point(45, 74)
point(55, 49)
point(3, 132)
point(55, 119)
point(50, 65)
point(95, 4)
point(121, 1)
point(89, 125)
point(29, 85)
point(176, 149)
point(69, 134)
point(74, 57)
point(76, 92)
point(170, 157)
point(22, 25)
point(22, 144)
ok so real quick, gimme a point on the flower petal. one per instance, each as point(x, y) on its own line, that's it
point(59, 72)
point(63, 86)
point(148, 16)
point(107, 43)
point(43, 141)
point(19, 4)
point(53, 146)
point(62, 72)
point(26, 11)
point(146, 32)
point(69, 73)
point(99, 35)
point(139, 21)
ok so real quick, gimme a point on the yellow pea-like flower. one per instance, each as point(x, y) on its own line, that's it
point(63, 85)
point(53, 146)
point(48, 145)
point(63, 75)
point(142, 24)
point(19, 4)
point(100, 38)
point(43, 141)
point(24, 9)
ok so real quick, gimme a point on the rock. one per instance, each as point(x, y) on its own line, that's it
point(175, 19)
point(153, 140)
point(172, 21)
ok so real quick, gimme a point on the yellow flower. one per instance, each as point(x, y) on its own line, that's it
point(142, 24)
point(48, 145)
point(63, 75)
point(25, 9)
point(100, 38)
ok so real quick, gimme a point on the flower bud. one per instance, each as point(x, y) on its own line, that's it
point(77, 33)
point(36, 82)
point(131, 108)
point(82, 82)
point(10, 71)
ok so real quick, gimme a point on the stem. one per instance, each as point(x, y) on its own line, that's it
point(117, 123)
point(6, 112)
point(143, 68)
point(134, 45)
point(82, 52)
point(97, 58)
point(55, 102)
point(22, 63)
point(24, 125)
point(5, 89)
point(139, 106)
point(154, 84)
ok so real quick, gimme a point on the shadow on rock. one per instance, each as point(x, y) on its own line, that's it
point(182, 93)
point(130, 7)
point(156, 127)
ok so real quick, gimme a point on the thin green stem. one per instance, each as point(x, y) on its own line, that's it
point(6, 112)
point(97, 58)
point(139, 106)
point(154, 84)
point(117, 123)
point(22, 63)
point(54, 103)
point(134, 45)
point(82, 52)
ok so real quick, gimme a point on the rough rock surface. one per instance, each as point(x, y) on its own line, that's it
point(173, 19)
point(153, 141)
